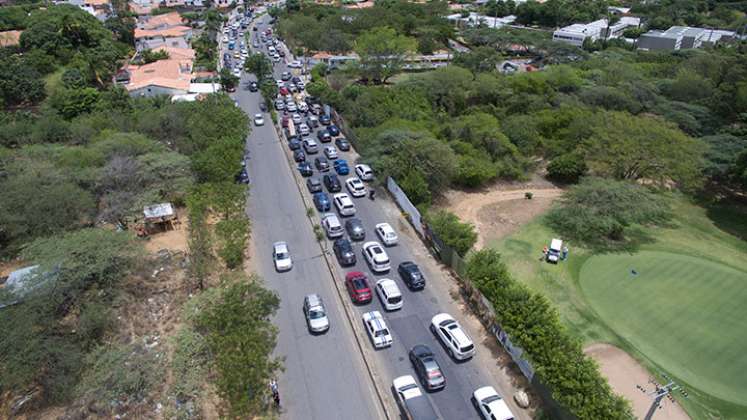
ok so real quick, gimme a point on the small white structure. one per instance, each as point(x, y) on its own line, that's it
point(577, 33)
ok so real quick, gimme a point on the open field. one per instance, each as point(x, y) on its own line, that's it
point(682, 314)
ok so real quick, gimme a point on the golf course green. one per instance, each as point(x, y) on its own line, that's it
point(687, 314)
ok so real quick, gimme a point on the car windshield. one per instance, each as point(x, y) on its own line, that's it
point(381, 333)
point(359, 284)
point(395, 299)
point(281, 255)
point(316, 314)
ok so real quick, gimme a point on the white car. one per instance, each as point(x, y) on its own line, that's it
point(389, 294)
point(457, 342)
point(364, 172)
point(344, 204)
point(281, 256)
point(386, 234)
point(330, 152)
point(332, 225)
point(301, 86)
point(296, 118)
point(376, 257)
point(276, 58)
point(295, 64)
point(490, 405)
point(259, 119)
point(316, 316)
point(377, 329)
point(280, 83)
point(356, 187)
point(237, 72)
point(291, 107)
point(303, 129)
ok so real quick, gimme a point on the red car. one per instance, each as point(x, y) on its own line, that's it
point(357, 286)
point(285, 121)
point(284, 91)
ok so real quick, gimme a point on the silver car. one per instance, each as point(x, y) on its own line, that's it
point(316, 316)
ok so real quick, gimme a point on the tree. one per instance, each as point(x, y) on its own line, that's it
point(259, 65)
point(626, 147)
point(20, 82)
point(600, 210)
point(459, 236)
point(479, 60)
point(382, 53)
point(569, 168)
point(227, 80)
point(242, 315)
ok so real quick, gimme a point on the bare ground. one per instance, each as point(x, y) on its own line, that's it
point(631, 380)
point(501, 209)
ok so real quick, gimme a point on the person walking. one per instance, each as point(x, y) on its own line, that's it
point(544, 253)
point(275, 392)
point(565, 252)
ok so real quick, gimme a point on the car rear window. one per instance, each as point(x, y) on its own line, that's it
point(467, 348)
point(395, 299)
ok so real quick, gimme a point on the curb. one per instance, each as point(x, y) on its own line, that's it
point(345, 303)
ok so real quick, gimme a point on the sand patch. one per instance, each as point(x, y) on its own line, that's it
point(631, 380)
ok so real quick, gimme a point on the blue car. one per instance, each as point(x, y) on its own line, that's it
point(321, 201)
point(333, 130)
point(305, 169)
point(341, 167)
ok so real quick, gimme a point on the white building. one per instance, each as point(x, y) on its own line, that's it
point(475, 19)
point(577, 33)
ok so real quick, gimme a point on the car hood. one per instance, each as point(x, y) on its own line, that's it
point(319, 324)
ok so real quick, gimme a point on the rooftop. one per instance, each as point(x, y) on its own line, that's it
point(175, 74)
point(173, 31)
point(161, 21)
point(10, 38)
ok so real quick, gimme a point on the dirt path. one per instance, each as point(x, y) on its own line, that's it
point(499, 211)
point(631, 380)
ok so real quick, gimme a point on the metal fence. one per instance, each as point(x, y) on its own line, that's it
point(480, 304)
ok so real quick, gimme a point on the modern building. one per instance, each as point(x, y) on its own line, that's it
point(577, 33)
point(682, 37)
point(476, 19)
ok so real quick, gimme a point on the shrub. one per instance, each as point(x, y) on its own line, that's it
point(567, 168)
point(459, 236)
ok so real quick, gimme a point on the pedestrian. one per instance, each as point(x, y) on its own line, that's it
point(544, 253)
point(565, 252)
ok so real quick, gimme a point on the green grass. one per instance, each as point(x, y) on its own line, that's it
point(683, 314)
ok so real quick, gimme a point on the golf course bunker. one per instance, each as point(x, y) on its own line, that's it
point(685, 314)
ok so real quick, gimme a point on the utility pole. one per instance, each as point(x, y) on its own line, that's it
point(660, 392)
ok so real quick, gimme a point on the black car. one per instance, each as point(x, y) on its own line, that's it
point(322, 164)
point(305, 169)
point(262, 106)
point(314, 184)
point(323, 136)
point(333, 130)
point(296, 79)
point(285, 76)
point(332, 182)
point(344, 252)
point(411, 275)
point(342, 144)
point(324, 119)
point(253, 87)
point(355, 229)
point(322, 202)
point(299, 155)
point(428, 370)
point(294, 145)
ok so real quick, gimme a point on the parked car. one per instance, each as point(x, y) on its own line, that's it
point(314, 184)
point(413, 403)
point(259, 119)
point(490, 405)
point(332, 182)
point(377, 329)
point(322, 164)
point(357, 286)
point(313, 122)
point(294, 144)
point(344, 204)
point(376, 257)
point(355, 229)
point(299, 155)
point(333, 130)
point(322, 202)
point(285, 76)
point(296, 119)
point(411, 275)
point(310, 146)
point(316, 315)
point(305, 169)
point(342, 144)
point(284, 91)
point(304, 129)
point(281, 256)
point(452, 336)
point(386, 234)
point(323, 136)
point(253, 87)
point(389, 294)
point(302, 106)
point(341, 167)
point(344, 252)
point(364, 172)
point(427, 368)
point(330, 152)
point(325, 120)
point(332, 226)
point(356, 188)
point(279, 104)
point(291, 106)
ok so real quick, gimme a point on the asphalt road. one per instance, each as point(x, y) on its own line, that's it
point(325, 377)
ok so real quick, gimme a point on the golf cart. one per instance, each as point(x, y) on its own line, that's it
point(553, 254)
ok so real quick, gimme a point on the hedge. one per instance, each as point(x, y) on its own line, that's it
point(534, 324)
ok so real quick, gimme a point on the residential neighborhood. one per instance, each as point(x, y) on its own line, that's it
point(390, 209)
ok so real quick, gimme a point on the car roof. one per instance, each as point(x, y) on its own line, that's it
point(389, 285)
point(421, 350)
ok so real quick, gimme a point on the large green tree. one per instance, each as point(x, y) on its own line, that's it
point(382, 53)
point(453, 232)
point(259, 65)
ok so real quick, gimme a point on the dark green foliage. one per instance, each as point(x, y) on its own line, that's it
point(557, 358)
point(556, 13)
point(70, 103)
point(598, 210)
point(227, 80)
point(206, 48)
point(150, 56)
point(20, 82)
point(454, 233)
point(567, 168)
point(241, 339)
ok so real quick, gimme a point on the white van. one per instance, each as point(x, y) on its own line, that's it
point(389, 294)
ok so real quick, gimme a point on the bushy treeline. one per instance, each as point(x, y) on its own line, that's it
point(664, 117)
point(557, 358)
